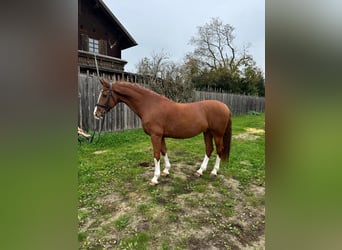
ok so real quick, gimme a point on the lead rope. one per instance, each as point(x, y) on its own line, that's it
point(97, 68)
point(100, 127)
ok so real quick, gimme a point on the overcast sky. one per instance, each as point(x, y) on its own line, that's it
point(168, 26)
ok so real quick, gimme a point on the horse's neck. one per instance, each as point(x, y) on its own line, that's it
point(135, 97)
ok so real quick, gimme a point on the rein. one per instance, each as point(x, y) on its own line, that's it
point(100, 127)
point(105, 106)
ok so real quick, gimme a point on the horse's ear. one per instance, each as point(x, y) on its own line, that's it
point(104, 83)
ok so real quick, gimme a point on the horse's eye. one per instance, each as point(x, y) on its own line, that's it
point(104, 96)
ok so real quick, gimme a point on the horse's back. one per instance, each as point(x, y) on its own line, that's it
point(214, 108)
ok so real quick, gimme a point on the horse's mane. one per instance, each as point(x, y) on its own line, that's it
point(140, 88)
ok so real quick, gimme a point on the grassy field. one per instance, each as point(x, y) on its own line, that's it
point(119, 210)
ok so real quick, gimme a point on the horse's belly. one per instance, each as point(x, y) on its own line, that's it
point(185, 128)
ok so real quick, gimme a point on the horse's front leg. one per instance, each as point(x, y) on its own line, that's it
point(156, 143)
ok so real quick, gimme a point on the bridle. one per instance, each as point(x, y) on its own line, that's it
point(106, 106)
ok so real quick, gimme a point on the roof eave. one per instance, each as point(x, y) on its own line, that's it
point(130, 38)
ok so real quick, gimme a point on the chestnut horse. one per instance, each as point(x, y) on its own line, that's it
point(162, 118)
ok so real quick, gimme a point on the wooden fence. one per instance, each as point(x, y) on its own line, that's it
point(121, 117)
point(238, 104)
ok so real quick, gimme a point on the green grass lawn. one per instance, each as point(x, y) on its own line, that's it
point(119, 210)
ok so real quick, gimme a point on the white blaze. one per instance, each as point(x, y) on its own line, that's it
point(95, 109)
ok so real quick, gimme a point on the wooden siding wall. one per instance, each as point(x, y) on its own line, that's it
point(122, 118)
point(94, 23)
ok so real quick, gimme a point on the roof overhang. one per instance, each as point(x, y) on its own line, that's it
point(130, 39)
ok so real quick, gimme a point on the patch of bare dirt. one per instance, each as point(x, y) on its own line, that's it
point(100, 152)
point(145, 164)
point(208, 227)
point(244, 229)
point(223, 216)
point(251, 134)
point(255, 131)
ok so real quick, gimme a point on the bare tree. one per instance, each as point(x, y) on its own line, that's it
point(166, 77)
point(153, 68)
point(215, 48)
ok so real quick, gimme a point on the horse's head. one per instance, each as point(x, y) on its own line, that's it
point(106, 100)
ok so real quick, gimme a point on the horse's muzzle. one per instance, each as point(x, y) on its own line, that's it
point(98, 114)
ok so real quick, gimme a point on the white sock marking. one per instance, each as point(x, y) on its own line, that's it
point(167, 164)
point(156, 171)
point(217, 165)
point(203, 165)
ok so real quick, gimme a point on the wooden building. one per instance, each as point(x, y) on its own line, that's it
point(100, 33)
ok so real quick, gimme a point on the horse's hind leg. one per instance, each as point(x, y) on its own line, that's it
point(166, 159)
point(216, 167)
point(208, 139)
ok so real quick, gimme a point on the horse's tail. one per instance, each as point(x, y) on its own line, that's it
point(227, 140)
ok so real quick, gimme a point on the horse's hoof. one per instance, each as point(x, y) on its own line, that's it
point(164, 174)
point(213, 175)
point(197, 174)
point(152, 183)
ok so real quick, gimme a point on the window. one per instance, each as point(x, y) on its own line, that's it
point(93, 45)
